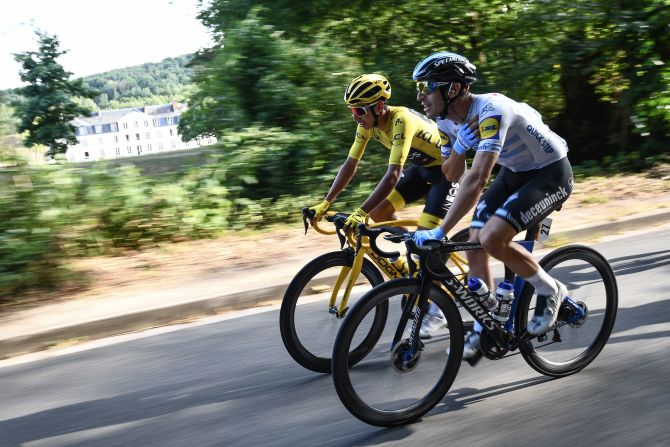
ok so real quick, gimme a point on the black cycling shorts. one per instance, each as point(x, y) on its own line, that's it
point(525, 198)
point(418, 182)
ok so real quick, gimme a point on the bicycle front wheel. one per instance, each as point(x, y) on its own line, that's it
point(306, 323)
point(397, 383)
point(576, 339)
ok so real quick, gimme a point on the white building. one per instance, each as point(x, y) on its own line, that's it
point(130, 132)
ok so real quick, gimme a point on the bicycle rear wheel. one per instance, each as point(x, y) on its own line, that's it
point(396, 385)
point(307, 326)
point(576, 339)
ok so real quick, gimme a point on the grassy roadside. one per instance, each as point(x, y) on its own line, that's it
point(594, 199)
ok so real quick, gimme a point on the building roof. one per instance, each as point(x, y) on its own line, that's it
point(112, 116)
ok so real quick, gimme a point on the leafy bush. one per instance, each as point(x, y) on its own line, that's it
point(36, 209)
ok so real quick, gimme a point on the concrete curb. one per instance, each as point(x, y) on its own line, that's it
point(158, 316)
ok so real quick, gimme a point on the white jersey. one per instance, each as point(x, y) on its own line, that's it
point(514, 130)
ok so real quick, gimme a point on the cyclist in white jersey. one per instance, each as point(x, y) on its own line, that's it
point(535, 176)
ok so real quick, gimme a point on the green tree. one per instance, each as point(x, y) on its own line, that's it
point(48, 103)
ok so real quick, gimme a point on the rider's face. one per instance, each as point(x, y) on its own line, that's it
point(366, 121)
point(432, 103)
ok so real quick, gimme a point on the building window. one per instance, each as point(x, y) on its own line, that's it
point(160, 146)
point(148, 135)
point(130, 149)
point(99, 141)
point(149, 147)
point(84, 143)
point(156, 122)
point(82, 131)
point(139, 149)
point(118, 152)
point(102, 153)
point(125, 125)
point(174, 144)
point(146, 123)
point(127, 137)
point(171, 133)
point(116, 138)
point(98, 128)
point(114, 127)
point(137, 124)
point(85, 154)
point(170, 120)
point(137, 136)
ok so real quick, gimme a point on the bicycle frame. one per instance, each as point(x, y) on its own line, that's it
point(432, 269)
point(364, 247)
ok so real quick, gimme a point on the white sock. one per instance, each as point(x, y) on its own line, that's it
point(543, 283)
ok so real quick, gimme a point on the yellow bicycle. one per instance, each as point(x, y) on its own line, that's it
point(318, 297)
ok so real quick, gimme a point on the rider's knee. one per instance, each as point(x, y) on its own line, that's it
point(492, 242)
point(383, 212)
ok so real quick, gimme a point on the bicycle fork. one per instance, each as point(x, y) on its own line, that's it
point(352, 272)
point(413, 340)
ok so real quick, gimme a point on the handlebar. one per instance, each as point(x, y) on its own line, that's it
point(374, 233)
point(337, 219)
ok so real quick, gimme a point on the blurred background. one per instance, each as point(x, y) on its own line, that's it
point(270, 88)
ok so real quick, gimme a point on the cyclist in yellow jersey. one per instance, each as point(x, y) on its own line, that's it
point(410, 137)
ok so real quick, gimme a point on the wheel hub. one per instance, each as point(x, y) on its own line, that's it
point(403, 358)
point(580, 320)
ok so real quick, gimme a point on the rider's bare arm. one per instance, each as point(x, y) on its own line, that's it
point(344, 176)
point(453, 168)
point(471, 187)
point(384, 187)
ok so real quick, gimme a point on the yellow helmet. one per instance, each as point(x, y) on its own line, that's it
point(367, 89)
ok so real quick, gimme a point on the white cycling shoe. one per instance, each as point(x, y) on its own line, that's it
point(546, 310)
point(432, 324)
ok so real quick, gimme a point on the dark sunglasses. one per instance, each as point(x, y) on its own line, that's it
point(428, 87)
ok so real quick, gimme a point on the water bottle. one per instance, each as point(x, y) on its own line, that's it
point(504, 296)
point(400, 265)
point(481, 291)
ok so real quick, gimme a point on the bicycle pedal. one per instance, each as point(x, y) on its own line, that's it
point(472, 361)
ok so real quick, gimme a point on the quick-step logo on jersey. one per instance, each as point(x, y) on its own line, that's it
point(544, 144)
point(490, 127)
point(543, 205)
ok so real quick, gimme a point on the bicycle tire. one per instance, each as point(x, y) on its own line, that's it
point(607, 292)
point(287, 315)
point(343, 369)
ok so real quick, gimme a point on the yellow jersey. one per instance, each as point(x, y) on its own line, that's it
point(409, 135)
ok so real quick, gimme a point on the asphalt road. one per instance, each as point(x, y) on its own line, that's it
point(229, 382)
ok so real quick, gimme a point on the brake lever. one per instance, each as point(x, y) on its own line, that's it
point(339, 230)
point(307, 216)
point(359, 237)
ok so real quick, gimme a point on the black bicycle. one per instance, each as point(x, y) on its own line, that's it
point(403, 377)
point(322, 292)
